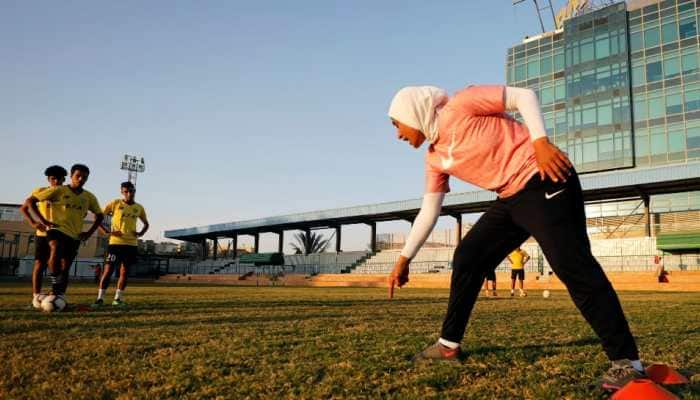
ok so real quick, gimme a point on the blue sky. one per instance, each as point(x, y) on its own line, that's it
point(242, 109)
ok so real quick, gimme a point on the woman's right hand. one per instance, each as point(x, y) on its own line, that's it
point(551, 161)
point(399, 276)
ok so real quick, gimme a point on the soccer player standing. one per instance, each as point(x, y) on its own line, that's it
point(123, 241)
point(69, 206)
point(518, 258)
point(55, 175)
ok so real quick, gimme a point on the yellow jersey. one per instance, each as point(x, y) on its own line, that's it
point(44, 208)
point(124, 218)
point(68, 209)
point(517, 258)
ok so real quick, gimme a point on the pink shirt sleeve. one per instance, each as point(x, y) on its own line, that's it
point(480, 100)
point(436, 181)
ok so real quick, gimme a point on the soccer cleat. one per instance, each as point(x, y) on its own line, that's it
point(494, 294)
point(118, 303)
point(621, 373)
point(437, 351)
point(512, 293)
point(523, 294)
point(98, 303)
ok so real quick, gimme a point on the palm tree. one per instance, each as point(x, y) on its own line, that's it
point(314, 243)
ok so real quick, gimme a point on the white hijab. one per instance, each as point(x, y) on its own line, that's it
point(417, 106)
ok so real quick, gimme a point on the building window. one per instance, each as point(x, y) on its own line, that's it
point(641, 143)
point(605, 113)
point(669, 32)
point(520, 72)
point(638, 76)
point(674, 104)
point(651, 37)
point(656, 107)
point(672, 67)
point(559, 62)
point(686, 28)
point(658, 142)
point(636, 41)
point(533, 69)
point(546, 66)
point(640, 109)
point(692, 100)
point(693, 140)
point(602, 46)
point(676, 140)
point(690, 62)
point(654, 71)
point(547, 96)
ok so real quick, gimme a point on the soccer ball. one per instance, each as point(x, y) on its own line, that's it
point(36, 301)
point(53, 303)
point(546, 294)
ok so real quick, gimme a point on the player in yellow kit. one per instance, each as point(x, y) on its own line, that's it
point(517, 259)
point(123, 241)
point(55, 175)
point(69, 206)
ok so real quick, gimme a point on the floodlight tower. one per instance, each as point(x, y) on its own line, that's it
point(133, 165)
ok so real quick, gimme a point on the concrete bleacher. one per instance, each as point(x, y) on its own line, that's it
point(614, 255)
point(311, 264)
point(324, 263)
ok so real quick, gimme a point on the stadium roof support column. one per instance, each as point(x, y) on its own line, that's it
point(338, 230)
point(256, 245)
point(234, 244)
point(373, 236)
point(204, 249)
point(216, 247)
point(458, 234)
point(280, 242)
point(647, 215)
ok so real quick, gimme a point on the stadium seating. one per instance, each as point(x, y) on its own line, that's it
point(614, 255)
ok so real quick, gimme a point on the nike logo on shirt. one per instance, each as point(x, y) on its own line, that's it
point(447, 162)
point(549, 196)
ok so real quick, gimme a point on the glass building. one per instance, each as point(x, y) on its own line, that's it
point(619, 87)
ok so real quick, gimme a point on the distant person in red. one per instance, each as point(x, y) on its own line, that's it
point(661, 273)
point(472, 138)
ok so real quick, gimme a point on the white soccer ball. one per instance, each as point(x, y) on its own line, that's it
point(545, 294)
point(36, 301)
point(53, 303)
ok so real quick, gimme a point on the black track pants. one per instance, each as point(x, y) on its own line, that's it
point(554, 214)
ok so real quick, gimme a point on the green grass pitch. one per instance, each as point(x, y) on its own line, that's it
point(216, 342)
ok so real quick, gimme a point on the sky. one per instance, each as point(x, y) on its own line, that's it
point(241, 109)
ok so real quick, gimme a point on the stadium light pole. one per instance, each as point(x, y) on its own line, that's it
point(133, 165)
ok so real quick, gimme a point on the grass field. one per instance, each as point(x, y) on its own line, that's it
point(197, 342)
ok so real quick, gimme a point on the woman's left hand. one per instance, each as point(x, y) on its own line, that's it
point(551, 161)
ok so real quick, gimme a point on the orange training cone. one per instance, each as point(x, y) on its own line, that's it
point(643, 389)
point(660, 373)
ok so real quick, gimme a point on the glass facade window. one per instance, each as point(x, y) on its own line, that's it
point(669, 33)
point(654, 71)
point(686, 28)
point(651, 37)
point(600, 91)
point(672, 67)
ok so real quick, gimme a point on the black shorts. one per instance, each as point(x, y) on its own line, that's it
point(119, 254)
point(67, 247)
point(491, 276)
point(41, 249)
point(518, 273)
